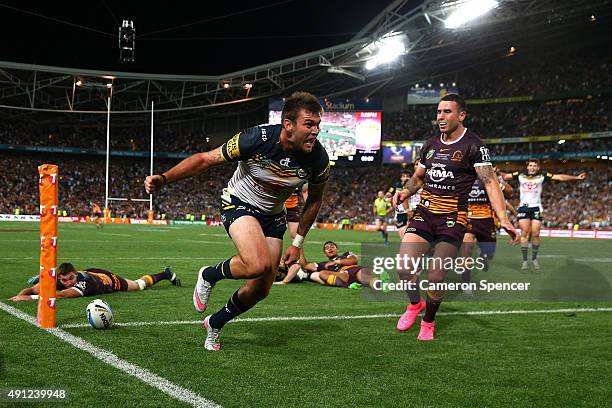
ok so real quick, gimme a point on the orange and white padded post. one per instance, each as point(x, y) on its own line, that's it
point(48, 180)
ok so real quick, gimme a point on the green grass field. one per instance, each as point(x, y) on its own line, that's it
point(480, 360)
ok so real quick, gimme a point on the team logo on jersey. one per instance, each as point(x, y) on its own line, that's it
point(285, 162)
point(80, 285)
point(484, 153)
point(231, 147)
point(430, 154)
point(457, 155)
point(301, 173)
point(450, 223)
point(438, 173)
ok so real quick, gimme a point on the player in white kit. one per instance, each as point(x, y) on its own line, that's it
point(531, 182)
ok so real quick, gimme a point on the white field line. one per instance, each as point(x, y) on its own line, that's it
point(352, 317)
point(130, 258)
point(144, 375)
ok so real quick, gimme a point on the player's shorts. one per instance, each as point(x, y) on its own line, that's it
point(119, 283)
point(483, 229)
point(274, 225)
point(352, 276)
point(97, 214)
point(436, 228)
point(529, 213)
point(381, 218)
point(401, 220)
point(293, 214)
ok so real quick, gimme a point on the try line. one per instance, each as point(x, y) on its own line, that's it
point(352, 317)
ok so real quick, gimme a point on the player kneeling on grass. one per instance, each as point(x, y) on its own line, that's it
point(93, 281)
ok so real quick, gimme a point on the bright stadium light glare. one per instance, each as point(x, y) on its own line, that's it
point(389, 48)
point(469, 11)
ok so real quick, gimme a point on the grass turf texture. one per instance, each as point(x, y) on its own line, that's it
point(502, 360)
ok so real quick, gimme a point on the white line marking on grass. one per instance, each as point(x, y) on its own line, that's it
point(144, 375)
point(115, 234)
point(569, 257)
point(352, 317)
point(131, 258)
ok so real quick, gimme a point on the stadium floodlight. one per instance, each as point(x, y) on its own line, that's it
point(388, 49)
point(468, 11)
point(127, 41)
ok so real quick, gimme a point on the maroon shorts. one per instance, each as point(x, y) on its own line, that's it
point(436, 228)
point(293, 214)
point(483, 229)
point(352, 276)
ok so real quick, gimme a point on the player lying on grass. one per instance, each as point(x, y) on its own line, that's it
point(339, 270)
point(93, 281)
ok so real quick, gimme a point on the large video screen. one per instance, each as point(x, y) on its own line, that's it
point(348, 137)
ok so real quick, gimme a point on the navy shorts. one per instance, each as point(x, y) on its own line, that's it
point(529, 213)
point(436, 228)
point(293, 214)
point(402, 220)
point(272, 225)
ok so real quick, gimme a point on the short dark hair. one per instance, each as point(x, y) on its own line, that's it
point(298, 101)
point(65, 269)
point(329, 242)
point(536, 161)
point(457, 99)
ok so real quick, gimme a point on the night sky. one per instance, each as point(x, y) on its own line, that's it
point(216, 37)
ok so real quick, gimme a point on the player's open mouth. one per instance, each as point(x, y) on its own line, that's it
point(310, 142)
point(442, 124)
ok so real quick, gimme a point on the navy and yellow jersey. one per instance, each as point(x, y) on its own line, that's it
point(381, 206)
point(266, 174)
point(479, 206)
point(531, 187)
point(450, 171)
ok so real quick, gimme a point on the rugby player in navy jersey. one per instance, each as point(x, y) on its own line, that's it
point(272, 161)
point(449, 164)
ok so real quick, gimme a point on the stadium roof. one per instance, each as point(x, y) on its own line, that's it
point(337, 69)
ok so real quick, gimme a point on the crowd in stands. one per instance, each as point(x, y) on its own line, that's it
point(350, 193)
point(588, 70)
point(418, 122)
point(579, 84)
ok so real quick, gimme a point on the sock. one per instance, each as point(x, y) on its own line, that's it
point(414, 295)
point(466, 276)
point(233, 308)
point(534, 252)
point(220, 271)
point(524, 250)
point(151, 280)
point(431, 308)
point(386, 236)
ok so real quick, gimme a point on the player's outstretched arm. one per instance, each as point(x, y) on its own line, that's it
point(26, 294)
point(191, 166)
point(567, 177)
point(489, 180)
point(309, 215)
point(413, 185)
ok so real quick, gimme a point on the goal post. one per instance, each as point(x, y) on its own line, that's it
point(48, 188)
